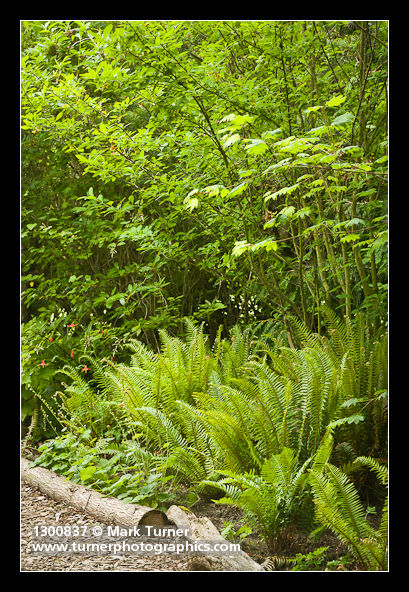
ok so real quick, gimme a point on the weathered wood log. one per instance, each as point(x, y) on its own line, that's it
point(112, 511)
point(202, 531)
point(107, 510)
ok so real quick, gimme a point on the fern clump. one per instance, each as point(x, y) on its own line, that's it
point(339, 508)
point(274, 429)
point(271, 500)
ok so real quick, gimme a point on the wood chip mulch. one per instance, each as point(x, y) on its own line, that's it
point(39, 510)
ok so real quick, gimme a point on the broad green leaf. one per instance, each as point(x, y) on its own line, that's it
point(247, 173)
point(303, 212)
point(238, 190)
point(243, 119)
point(355, 222)
point(312, 109)
point(351, 402)
point(344, 118)
point(191, 203)
point(350, 238)
point(107, 30)
point(231, 140)
point(87, 473)
point(228, 117)
point(193, 192)
point(336, 101)
point(268, 244)
point(269, 224)
point(363, 166)
point(240, 247)
point(284, 214)
point(214, 190)
point(352, 419)
point(256, 146)
point(282, 191)
point(271, 133)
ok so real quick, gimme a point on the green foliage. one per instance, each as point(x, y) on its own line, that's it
point(261, 428)
point(339, 508)
point(233, 247)
point(124, 471)
point(230, 533)
point(158, 176)
point(312, 561)
point(272, 499)
point(54, 349)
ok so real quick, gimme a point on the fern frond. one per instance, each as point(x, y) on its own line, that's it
point(189, 463)
point(339, 508)
point(142, 355)
point(380, 470)
point(159, 429)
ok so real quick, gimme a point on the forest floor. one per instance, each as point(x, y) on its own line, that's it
point(39, 510)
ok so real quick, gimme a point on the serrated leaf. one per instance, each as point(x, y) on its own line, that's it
point(228, 117)
point(350, 402)
point(247, 173)
point(231, 140)
point(193, 192)
point(256, 147)
point(285, 213)
point(213, 190)
point(350, 238)
point(303, 212)
point(243, 119)
point(191, 203)
point(271, 132)
point(352, 419)
point(309, 110)
point(282, 191)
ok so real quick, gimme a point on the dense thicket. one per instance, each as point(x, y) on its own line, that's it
point(225, 170)
point(212, 195)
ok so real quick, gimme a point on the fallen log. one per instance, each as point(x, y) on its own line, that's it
point(107, 510)
point(203, 532)
point(110, 510)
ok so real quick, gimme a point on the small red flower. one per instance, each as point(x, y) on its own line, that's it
point(72, 325)
point(51, 339)
point(85, 369)
point(72, 353)
point(102, 331)
point(42, 363)
point(112, 358)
